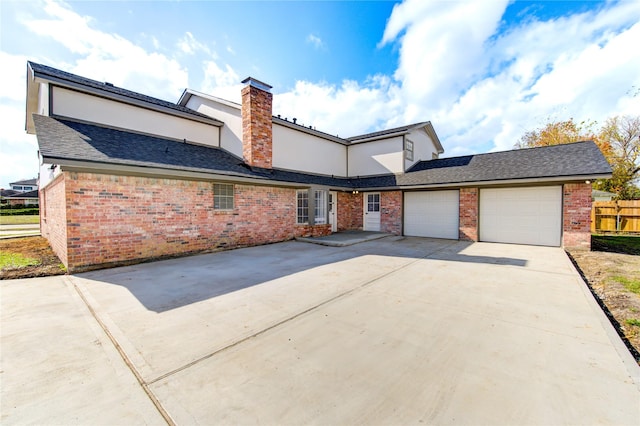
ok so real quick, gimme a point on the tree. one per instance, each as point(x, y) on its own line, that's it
point(623, 135)
point(618, 139)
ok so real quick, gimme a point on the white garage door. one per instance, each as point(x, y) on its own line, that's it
point(431, 214)
point(521, 215)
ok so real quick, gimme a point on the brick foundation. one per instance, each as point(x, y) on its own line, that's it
point(391, 212)
point(468, 220)
point(576, 216)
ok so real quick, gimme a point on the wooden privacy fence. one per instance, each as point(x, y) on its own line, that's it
point(615, 216)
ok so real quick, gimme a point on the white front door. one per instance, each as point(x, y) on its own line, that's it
point(333, 210)
point(372, 211)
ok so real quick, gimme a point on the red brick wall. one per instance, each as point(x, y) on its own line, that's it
point(257, 127)
point(53, 216)
point(350, 213)
point(468, 221)
point(122, 219)
point(576, 216)
point(391, 212)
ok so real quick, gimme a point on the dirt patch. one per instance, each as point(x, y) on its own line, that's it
point(609, 276)
point(31, 247)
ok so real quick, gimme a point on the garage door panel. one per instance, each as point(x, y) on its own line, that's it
point(431, 214)
point(531, 215)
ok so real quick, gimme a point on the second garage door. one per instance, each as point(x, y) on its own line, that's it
point(531, 215)
point(431, 214)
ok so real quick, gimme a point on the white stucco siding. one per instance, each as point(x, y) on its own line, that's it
point(231, 132)
point(90, 108)
point(300, 151)
point(423, 147)
point(377, 157)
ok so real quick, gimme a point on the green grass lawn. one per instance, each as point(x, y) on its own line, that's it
point(19, 220)
point(626, 244)
point(16, 260)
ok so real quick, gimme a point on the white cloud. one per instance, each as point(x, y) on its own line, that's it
point(223, 83)
point(190, 46)
point(348, 109)
point(315, 41)
point(484, 89)
point(110, 57)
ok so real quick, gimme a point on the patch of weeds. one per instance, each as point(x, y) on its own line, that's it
point(629, 283)
point(625, 244)
point(633, 321)
point(16, 260)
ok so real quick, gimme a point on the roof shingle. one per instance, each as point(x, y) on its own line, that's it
point(68, 140)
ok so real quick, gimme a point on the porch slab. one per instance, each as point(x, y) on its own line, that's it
point(344, 238)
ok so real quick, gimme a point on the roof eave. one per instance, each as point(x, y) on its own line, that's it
point(121, 98)
point(31, 100)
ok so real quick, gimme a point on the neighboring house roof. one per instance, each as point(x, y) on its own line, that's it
point(74, 144)
point(110, 91)
point(27, 182)
point(24, 195)
point(598, 193)
point(7, 192)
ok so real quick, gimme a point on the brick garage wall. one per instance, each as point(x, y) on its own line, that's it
point(350, 213)
point(576, 216)
point(123, 219)
point(468, 220)
point(391, 212)
point(53, 216)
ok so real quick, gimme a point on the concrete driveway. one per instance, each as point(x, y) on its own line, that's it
point(393, 331)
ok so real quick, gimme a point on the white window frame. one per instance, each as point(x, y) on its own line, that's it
point(302, 207)
point(408, 150)
point(320, 216)
point(221, 197)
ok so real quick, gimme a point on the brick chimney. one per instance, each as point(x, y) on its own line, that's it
point(256, 123)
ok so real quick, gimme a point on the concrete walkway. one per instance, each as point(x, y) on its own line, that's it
point(344, 238)
point(392, 331)
point(14, 231)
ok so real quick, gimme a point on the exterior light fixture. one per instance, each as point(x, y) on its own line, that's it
point(587, 182)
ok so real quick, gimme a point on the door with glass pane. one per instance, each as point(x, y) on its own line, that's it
point(372, 211)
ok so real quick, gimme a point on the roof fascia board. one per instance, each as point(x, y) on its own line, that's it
point(188, 93)
point(143, 171)
point(380, 137)
point(123, 99)
point(434, 137)
point(481, 184)
point(32, 100)
point(286, 123)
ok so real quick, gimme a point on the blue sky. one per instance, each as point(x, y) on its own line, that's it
point(483, 72)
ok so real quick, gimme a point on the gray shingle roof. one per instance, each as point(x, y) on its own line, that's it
point(67, 140)
point(62, 76)
point(33, 181)
point(575, 159)
point(21, 195)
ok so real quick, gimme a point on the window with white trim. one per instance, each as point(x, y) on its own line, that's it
point(408, 150)
point(223, 196)
point(320, 207)
point(302, 198)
